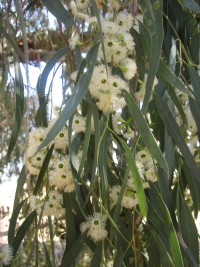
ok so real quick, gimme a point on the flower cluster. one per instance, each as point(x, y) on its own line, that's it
point(6, 254)
point(107, 89)
point(50, 205)
point(146, 165)
point(95, 226)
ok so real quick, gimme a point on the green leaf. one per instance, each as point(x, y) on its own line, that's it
point(19, 189)
point(41, 117)
point(71, 256)
point(136, 178)
point(97, 256)
point(161, 247)
point(12, 42)
point(70, 224)
point(59, 11)
point(13, 221)
point(175, 133)
point(161, 208)
point(152, 12)
point(194, 187)
point(192, 5)
point(47, 257)
point(145, 133)
point(43, 170)
point(187, 226)
point(22, 231)
point(86, 140)
point(78, 94)
point(167, 75)
point(19, 107)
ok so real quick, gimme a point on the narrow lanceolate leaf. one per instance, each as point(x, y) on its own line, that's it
point(11, 41)
point(43, 170)
point(51, 63)
point(174, 131)
point(167, 75)
point(41, 85)
point(47, 257)
point(136, 178)
point(22, 231)
point(187, 227)
point(19, 108)
point(59, 11)
point(192, 5)
point(194, 187)
point(70, 257)
point(163, 212)
point(13, 221)
point(161, 247)
point(78, 94)
point(152, 11)
point(145, 132)
point(19, 189)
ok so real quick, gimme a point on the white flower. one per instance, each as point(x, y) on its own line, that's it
point(96, 226)
point(78, 124)
point(129, 199)
point(61, 175)
point(61, 140)
point(124, 20)
point(73, 75)
point(74, 40)
point(73, 8)
point(50, 205)
point(139, 95)
point(37, 136)
point(82, 4)
point(6, 254)
point(128, 67)
point(192, 127)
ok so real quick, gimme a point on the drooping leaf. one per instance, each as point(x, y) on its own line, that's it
point(152, 12)
point(194, 187)
point(19, 189)
point(19, 107)
point(136, 178)
point(160, 246)
point(70, 224)
point(41, 117)
point(16, 242)
point(167, 75)
point(13, 221)
point(58, 10)
point(192, 5)
point(78, 94)
point(145, 132)
point(43, 170)
point(187, 226)
point(70, 257)
point(159, 205)
point(11, 41)
point(47, 257)
point(176, 134)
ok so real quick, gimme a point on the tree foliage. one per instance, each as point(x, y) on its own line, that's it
point(112, 175)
